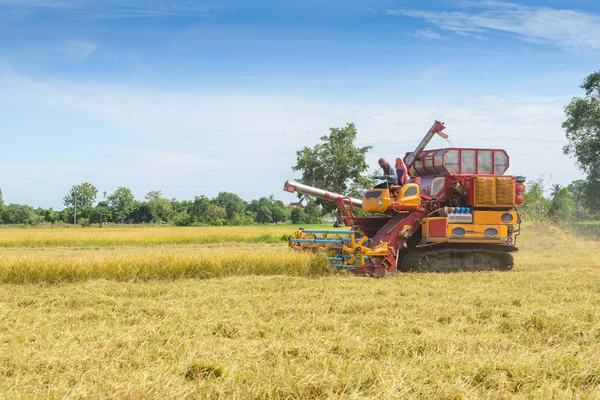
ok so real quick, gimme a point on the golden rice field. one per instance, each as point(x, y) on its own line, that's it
point(95, 313)
point(139, 236)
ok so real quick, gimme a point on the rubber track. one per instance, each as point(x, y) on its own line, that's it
point(455, 260)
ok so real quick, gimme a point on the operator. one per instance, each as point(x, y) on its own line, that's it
point(389, 174)
point(402, 171)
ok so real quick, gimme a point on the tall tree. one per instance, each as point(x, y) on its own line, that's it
point(100, 214)
point(231, 202)
point(263, 215)
point(577, 191)
point(555, 189)
point(199, 210)
point(582, 128)
point(81, 198)
point(160, 207)
point(335, 164)
point(1, 200)
point(122, 203)
point(562, 205)
point(278, 212)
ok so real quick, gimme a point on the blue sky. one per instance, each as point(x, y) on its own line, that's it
point(194, 98)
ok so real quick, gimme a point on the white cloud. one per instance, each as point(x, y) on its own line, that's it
point(427, 34)
point(191, 143)
point(567, 28)
point(79, 48)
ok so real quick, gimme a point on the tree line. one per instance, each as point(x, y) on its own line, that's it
point(557, 203)
point(121, 207)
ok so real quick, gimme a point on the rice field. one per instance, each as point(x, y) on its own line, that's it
point(95, 313)
point(140, 236)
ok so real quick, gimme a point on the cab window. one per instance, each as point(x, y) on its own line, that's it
point(373, 195)
point(411, 191)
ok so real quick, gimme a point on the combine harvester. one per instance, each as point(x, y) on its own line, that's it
point(457, 214)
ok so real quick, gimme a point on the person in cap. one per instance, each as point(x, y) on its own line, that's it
point(389, 174)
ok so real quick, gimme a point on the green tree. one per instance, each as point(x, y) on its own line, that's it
point(19, 214)
point(242, 219)
point(160, 207)
point(50, 216)
point(81, 198)
point(199, 207)
point(100, 214)
point(335, 164)
point(263, 215)
point(182, 219)
point(536, 204)
point(562, 206)
point(121, 203)
point(297, 216)
point(231, 202)
point(1, 200)
point(278, 212)
point(555, 189)
point(577, 191)
point(313, 213)
point(582, 127)
point(141, 213)
point(215, 214)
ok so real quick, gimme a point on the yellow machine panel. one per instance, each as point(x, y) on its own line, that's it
point(505, 190)
point(471, 233)
point(494, 191)
point(485, 191)
point(409, 196)
point(437, 230)
point(494, 217)
point(376, 200)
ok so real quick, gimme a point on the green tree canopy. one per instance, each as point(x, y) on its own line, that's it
point(81, 198)
point(263, 215)
point(100, 214)
point(160, 207)
point(297, 216)
point(582, 127)
point(122, 203)
point(278, 212)
point(562, 205)
point(231, 202)
point(19, 214)
point(335, 164)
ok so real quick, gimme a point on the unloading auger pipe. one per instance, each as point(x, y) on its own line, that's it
point(293, 187)
point(436, 128)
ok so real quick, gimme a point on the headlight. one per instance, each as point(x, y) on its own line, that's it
point(458, 231)
point(507, 218)
point(491, 232)
point(379, 202)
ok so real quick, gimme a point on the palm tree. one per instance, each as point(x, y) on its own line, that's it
point(555, 190)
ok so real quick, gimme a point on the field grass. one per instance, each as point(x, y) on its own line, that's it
point(142, 236)
point(69, 264)
point(589, 229)
point(533, 332)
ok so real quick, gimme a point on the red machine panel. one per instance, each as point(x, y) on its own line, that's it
point(437, 227)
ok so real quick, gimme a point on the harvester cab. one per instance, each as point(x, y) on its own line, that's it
point(459, 212)
point(394, 199)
